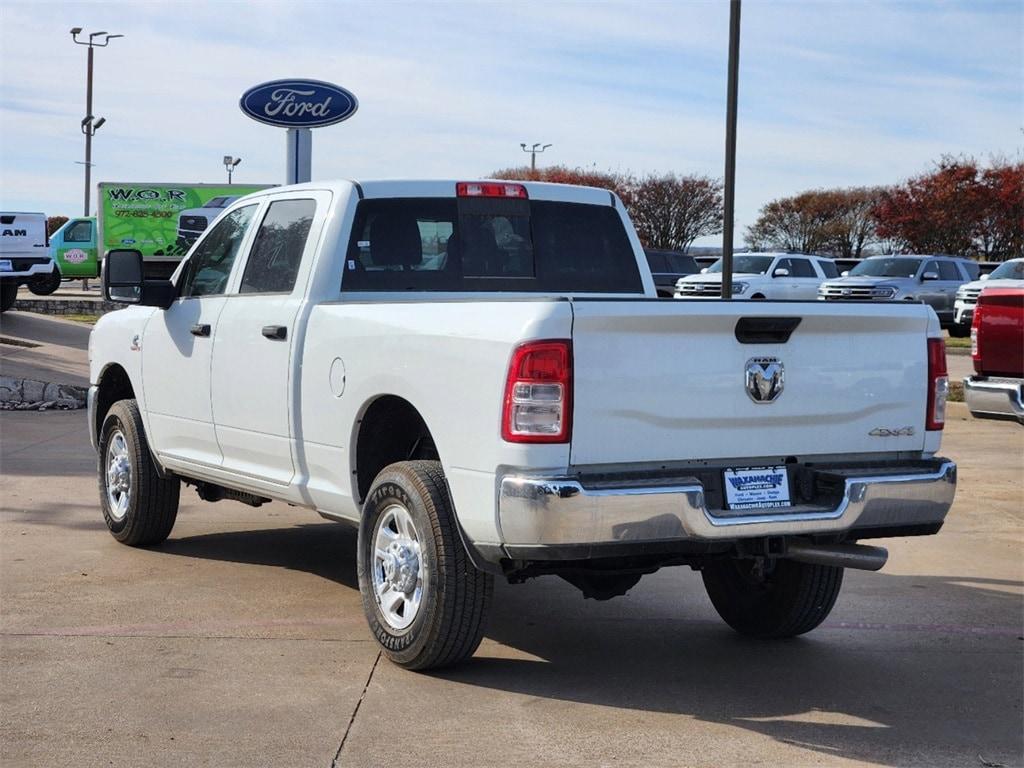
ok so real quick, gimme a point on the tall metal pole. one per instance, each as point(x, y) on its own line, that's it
point(730, 147)
point(88, 131)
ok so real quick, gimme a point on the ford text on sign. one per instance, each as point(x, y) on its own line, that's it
point(298, 103)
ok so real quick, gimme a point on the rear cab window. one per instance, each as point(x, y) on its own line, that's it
point(487, 244)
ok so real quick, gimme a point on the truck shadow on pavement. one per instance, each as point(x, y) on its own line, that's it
point(918, 692)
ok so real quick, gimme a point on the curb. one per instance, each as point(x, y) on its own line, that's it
point(32, 395)
point(95, 307)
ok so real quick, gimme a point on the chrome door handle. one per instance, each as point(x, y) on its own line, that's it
point(200, 329)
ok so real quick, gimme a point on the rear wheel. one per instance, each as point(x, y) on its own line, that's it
point(8, 295)
point(772, 598)
point(424, 600)
point(139, 506)
point(44, 285)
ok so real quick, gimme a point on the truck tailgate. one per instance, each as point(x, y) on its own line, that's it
point(662, 381)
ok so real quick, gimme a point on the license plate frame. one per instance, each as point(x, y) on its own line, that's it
point(756, 487)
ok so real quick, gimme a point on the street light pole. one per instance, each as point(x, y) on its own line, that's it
point(533, 153)
point(230, 163)
point(89, 125)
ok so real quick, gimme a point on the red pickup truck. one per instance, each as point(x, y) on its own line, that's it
point(997, 346)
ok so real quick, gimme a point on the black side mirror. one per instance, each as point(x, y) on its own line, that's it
point(124, 281)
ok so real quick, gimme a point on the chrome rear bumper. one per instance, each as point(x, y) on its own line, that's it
point(538, 512)
point(999, 397)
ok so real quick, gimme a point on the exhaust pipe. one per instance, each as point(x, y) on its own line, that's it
point(857, 556)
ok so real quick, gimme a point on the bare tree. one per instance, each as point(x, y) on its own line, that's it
point(853, 227)
point(804, 223)
point(670, 211)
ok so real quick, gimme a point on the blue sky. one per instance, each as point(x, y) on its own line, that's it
point(831, 93)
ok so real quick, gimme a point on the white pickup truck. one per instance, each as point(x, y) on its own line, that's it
point(480, 377)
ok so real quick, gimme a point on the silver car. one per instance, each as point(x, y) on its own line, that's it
point(931, 279)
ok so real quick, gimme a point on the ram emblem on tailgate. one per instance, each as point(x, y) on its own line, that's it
point(765, 378)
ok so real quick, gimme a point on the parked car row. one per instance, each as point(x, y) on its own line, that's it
point(932, 279)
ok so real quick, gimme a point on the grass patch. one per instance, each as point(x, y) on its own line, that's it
point(89, 319)
point(956, 392)
point(953, 341)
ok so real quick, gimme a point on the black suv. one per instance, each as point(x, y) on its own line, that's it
point(667, 267)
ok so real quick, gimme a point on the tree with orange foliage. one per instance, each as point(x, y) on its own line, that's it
point(958, 208)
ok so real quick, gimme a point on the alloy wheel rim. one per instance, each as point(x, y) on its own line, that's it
point(399, 575)
point(119, 476)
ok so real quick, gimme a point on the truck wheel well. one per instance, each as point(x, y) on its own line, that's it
point(114, 385)
point(391, 430)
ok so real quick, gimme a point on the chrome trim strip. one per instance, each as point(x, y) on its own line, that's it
point(560, 511)
point(995, 397)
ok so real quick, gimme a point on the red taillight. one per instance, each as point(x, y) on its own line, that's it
point(538, 393)
point(938, 385)
point(489, 189)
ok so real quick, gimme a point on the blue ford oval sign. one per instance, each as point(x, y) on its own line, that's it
point(298, 103)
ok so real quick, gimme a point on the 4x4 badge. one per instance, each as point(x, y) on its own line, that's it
point(765, 379)
point(886, 432)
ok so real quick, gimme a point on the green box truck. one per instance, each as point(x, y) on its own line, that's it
point(160, 220)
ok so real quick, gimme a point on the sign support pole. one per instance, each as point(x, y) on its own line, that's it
point(299, 157)
point(730, 147)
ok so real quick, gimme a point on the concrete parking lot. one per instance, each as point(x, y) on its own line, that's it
point(241, 641)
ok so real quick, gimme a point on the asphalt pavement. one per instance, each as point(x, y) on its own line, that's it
point(44, 348)
point(241, 641)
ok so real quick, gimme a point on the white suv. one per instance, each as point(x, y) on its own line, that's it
point(967, 294)
point(780, 276)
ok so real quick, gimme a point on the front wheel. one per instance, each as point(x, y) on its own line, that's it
point(958, 331)
point(139, 506)
point(772, 598)
point(424, 600)
point(44, 285)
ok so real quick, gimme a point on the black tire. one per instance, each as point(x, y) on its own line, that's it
point(152, 502)
point(45, 284)
point(449, 622)
point(790, 599)
point(958, 331)
point(8, 295)
point(757, 297)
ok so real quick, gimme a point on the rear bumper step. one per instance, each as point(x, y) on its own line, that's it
point(995, 397)
point(538, 512)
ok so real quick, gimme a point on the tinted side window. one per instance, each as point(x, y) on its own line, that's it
point(828, 269)
point(656, 262)
point(971, 269)
point(79, 232)
point(683, 265)
point(802, 268)
point(209, 266)
point(277, 250)
point(948, 271)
